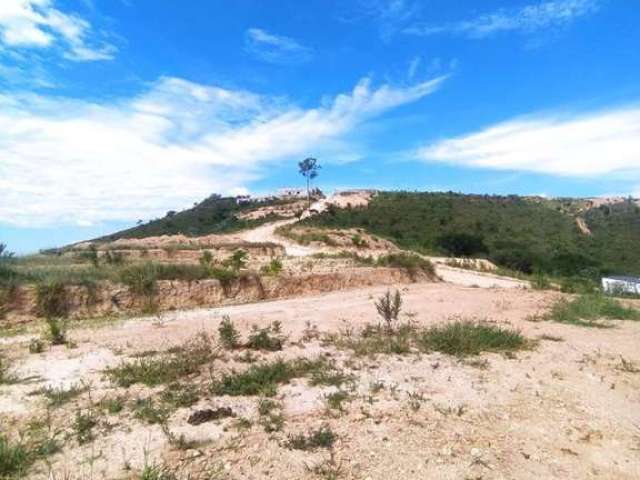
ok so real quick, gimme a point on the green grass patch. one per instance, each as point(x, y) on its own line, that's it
point(462, 338)
point(590, 310)
point(169, 367)
point(319, 438)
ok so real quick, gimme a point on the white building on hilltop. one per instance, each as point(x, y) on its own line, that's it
point(621, 284)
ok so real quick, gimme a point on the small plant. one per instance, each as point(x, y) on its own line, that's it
point(156, 472)
point(320, 438)
point(237, 261)
point(358, 241)
point(335, 400)
point(463, 338)
point(268, 338)
point(15, 459)
point(273, 268)
point(146, 410)
point(59, 396)
point(271, 417)
point(112, 405)
point(6, 377)
point(206, 259)
point(57, 330)
point(389, 307)
point(142, 280)
point(83, 426)
point(229, 336)
point(36, 346)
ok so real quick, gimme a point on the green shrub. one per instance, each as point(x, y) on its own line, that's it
point(229, 336)
point(6, 377)
point(60, 396)
point(462, 244)
point(83, 426)
point(588, 310)
point(463, 338)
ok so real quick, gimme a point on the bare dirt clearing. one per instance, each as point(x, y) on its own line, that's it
point(565, 408)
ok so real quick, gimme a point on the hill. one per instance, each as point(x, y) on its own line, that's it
point(523, 233)
point(214, 214)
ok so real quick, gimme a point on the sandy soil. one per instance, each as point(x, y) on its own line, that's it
point(565, 409)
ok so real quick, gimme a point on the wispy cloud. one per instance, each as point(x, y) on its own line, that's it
point(528, 19)
point(390, 16)
point(37, 24)
point(276, 49)
point(75, 161)
point(584, 145)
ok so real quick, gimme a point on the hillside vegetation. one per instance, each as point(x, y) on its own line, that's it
point(524, 234)
point(215, 214)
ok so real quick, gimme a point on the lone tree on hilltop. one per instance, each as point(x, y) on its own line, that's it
point(308, 168)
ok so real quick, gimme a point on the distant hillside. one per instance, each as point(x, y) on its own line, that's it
point(215, 214)
point(525, 234)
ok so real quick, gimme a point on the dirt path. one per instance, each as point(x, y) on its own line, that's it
point(266, 233)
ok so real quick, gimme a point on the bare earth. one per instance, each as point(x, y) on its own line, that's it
point(565, 409)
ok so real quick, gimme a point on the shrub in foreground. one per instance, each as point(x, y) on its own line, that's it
point(587, 310)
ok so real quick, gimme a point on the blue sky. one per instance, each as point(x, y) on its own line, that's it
point(118, 110)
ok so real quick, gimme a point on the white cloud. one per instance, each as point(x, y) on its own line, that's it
point(585, 145)
point(73, 161)
point(38, 24)
point(275, 48)
point(527, 19)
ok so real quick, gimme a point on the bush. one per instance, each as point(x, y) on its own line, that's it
point(51, 299)
point(463, 338)
point(229, 336)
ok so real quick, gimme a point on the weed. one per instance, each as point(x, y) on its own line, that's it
point(415, 400)
point(551, 338)
point(15, 459)
point(335, 400)
point(112, 405)
point(59, 396)
point(57, 330)
point(6, 377)
point(180, 395)
point(262, 379)
point(463, 338)
point(156, 472)
point(268, 338)
point(588, 310)
point(627, 366)
point(320, 438)
point(146, 410)
point(142, 280)
point(229, 336)
point(83, 426)
point(388, 307)
point(412, 263)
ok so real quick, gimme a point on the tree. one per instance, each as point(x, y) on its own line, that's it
point(308, 168)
